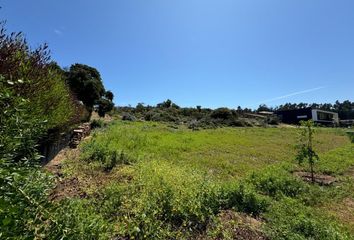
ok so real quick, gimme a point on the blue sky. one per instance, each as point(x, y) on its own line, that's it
point(200, 52)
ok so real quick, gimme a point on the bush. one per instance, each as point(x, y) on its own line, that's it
point(221, 113)
point(351, 136)
point(278, 182)
point(243, 198)
point(167, 200)
point(97, 123)
point(272, 120)
point(78, 219)
point(128, 117)
point(94, 151)
point(42, 84)
point(164, 201)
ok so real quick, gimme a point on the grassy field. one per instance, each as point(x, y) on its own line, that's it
point(151, 180)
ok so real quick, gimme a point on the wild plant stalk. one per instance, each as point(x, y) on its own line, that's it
point(305, 146)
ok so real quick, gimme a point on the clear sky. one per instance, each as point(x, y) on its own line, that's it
point(200, 52)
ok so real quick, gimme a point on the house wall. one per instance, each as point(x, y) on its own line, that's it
point(316, 112)
point(294, 116)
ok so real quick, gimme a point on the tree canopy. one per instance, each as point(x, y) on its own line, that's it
point(86, 83)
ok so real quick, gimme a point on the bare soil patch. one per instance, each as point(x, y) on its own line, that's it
point(84, 182)
point(67, 188)
point(321, 179)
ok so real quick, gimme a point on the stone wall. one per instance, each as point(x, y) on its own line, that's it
point(51, 145)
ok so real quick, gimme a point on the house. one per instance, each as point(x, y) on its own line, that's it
point(317, 115)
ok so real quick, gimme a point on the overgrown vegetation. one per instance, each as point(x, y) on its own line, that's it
point(173, 187)
point(156, 181)
point(195, 118)
point(35, 99)
point(203, 118)
point(86, 84)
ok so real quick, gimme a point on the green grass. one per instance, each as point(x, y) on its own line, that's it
point(164, 182)
point(225, 153)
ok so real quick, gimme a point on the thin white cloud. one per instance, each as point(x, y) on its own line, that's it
point(291, 94)
point(58, 32)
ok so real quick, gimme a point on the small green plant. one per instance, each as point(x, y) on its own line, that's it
point(277, 182)
point(351, 136)
point(305, 146)
point(97, 123)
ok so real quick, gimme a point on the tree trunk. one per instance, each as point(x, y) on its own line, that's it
point(312, 174)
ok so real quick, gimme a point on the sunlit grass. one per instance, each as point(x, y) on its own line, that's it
point(224, 153)
point(168, 182)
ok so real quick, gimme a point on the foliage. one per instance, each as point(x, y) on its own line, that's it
point(97, 123)
point(109, 95)
point(351, 136)
point(180, 180)
point(104, 106)
point(344, 109)
point(25, 211)
point(33, 99)
point(23, 187)
point(78, 219)
point(276, 182)
point(128, 117)
point(42, 85)
point(305, 146)
point(199, 117)
point(86, 83)
point(109, 158)
point(290, 219)
point(221, 113)
point(195, 118)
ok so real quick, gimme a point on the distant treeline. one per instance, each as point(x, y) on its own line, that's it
point(198, 116)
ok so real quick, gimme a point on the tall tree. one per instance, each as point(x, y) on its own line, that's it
point(86, 83)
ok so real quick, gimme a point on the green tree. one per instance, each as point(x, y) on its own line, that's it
point(104, 106)
point(221, 113)
point(263, 107)
point(140, 107)
point(109, 95)
point(305, 146)
point(42, 82)
point(86, 83)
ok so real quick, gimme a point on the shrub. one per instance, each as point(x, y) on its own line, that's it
point(128, 117)
point(276, 181)
point(42, 85)
point(97, 123)
point(221, 113)
point(164, 201)
point(94, 151)
point(351, 136)
point(78, 219)
point(243, 198)
point(273, 120)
